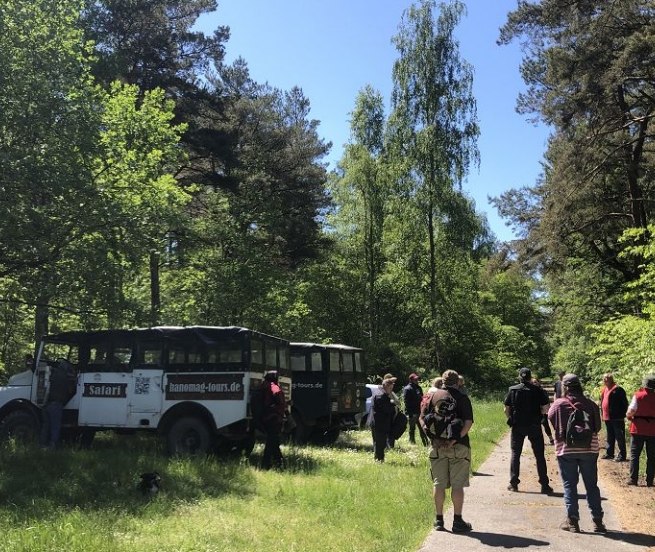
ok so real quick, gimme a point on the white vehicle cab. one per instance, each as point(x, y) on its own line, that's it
point(191, 384)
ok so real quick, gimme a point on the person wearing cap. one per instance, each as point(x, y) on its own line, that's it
point(450, 459)
point(558, 385)
point(577, 461)
point(641, 413)
point(412, 396)
point(525, 405)
point(613, 406)
point(383, 411)
point(272, 420)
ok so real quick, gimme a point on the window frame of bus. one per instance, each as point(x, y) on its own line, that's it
point(110, 345)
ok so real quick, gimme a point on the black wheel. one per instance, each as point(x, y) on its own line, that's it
point(20, 425)
point(188, 436)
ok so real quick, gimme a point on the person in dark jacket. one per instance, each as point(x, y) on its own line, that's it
point(641, 414)
point(525, 405)
point(272, 420)
point(61, 390)
point(412, 396)
point(613, 406)
point(559, 391)
point(383, 412)
point(544, 419)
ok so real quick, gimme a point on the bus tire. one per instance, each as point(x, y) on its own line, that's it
point(188, 436)
point(21, 426)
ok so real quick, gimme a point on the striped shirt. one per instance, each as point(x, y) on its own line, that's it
point(558, 415)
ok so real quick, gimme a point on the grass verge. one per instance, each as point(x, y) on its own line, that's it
point(329, 499)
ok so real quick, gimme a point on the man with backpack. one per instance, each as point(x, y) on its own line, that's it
point(576, 420)
point(525, 405)
point(446, 419)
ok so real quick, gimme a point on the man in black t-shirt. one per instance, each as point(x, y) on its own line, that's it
point(525, 404)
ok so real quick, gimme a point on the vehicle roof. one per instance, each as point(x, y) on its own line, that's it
point(323, 346)
point(204, 334)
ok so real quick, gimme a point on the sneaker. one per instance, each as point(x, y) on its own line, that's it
point(570, 524)
point(461, 526)
point(439, 525)
point(607, 457)
point(513, 488)
point(619, 458)
point(599, 526)
point(547, 489)
point(631, 482)
point(649, 484)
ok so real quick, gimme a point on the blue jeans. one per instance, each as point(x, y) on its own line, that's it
point(615, 433)
point(51, 429)
point(571, 466)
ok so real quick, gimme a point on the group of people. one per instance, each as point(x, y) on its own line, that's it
point(576, 421)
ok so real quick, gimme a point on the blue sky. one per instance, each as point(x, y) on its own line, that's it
point(331, 49)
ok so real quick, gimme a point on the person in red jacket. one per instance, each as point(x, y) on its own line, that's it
point(641, 414)
point(272, 420)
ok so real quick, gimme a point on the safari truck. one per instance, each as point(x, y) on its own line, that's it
point(328, 390)
point(190, 384)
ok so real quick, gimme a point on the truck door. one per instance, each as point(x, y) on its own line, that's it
point(103, 385)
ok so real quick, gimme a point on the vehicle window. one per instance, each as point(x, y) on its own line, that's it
point(176, 359)
point(120, 358)
point(317, 362)
point(195, 356)
point(150, 354)
point(358, 362)
point(298, 363)
point(334, 361)
point(271, 356)
point(53, 351)
point(98, 358)
point(256, 351)
point(283, 352)
point(347, 362)
point(368, 393)
point(230, 352)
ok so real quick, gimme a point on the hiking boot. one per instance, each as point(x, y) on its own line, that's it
point(513, 488)
point(607, 457)
point(570, 524)
point(461, 526)
point(439, 525)
point(631, 482)
point(619, 458)
point(599, 526)
point(547, 489)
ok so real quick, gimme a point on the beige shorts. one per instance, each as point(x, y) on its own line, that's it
point(450, 466)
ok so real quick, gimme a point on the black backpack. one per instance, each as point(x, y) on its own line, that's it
point(440, 417)
point(579, 432)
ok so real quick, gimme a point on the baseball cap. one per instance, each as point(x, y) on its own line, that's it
point(525, 373)
point(570, 380)
point(413, 376)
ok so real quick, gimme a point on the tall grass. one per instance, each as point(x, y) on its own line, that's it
point(328, 499)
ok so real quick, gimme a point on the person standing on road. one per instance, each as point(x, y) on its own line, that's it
point(544, 418)
point(613, 406)
point(577, 460)
point(558, 386)
point(641, 414)
point(272, 419)
point(525, 405)
point(450, 459)
point(383, 412)
point(412, 396)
